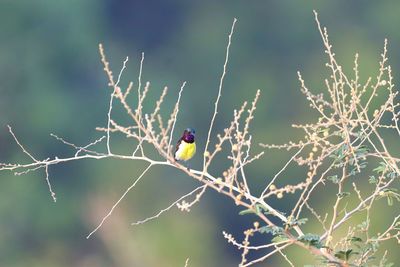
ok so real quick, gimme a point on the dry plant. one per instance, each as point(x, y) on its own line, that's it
point(335, 151)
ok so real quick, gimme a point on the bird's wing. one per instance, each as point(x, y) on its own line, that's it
point(177, 145)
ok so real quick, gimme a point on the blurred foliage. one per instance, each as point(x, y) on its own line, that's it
point(51, 81)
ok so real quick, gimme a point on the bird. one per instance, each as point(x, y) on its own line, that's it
point(186, 146)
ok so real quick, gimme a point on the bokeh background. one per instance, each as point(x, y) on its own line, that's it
point(52, 81)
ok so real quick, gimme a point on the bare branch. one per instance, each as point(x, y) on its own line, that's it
point(118, 201)
point(219, 93)
point(169, 207)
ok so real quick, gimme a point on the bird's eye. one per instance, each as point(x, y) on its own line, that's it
point(190, 130)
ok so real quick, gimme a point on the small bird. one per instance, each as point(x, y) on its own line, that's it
point(186, 147)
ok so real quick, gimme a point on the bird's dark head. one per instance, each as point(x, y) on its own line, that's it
point(188, 135)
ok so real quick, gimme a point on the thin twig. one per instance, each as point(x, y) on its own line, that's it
point(53, 195)
point(175, 114)
point(19, 144)
point(169, 207)
point(118, 201)
point(221, 82)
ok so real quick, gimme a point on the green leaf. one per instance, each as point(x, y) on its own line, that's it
point(293, 222)
point(311, 240)
point(390, 194)
point(334, 179)
point(372, 180)
point(343, 194)
point(392, 175)
point(321, 131)
point(246, 211)
point(340, 153)
point(373, 244)
point(279, 238)
point(345, 255)
point(384, 168)
point(270, 213)
point(381, 168)
point(362, 151)
point(302, 221)
point(340, 255)
point(258, 208)
point(275, 230)
point(355, 239)
point(363, 225)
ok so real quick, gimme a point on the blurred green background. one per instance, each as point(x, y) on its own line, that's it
point(52, 81)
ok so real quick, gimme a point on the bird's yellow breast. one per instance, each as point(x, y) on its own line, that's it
point(185, 151)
